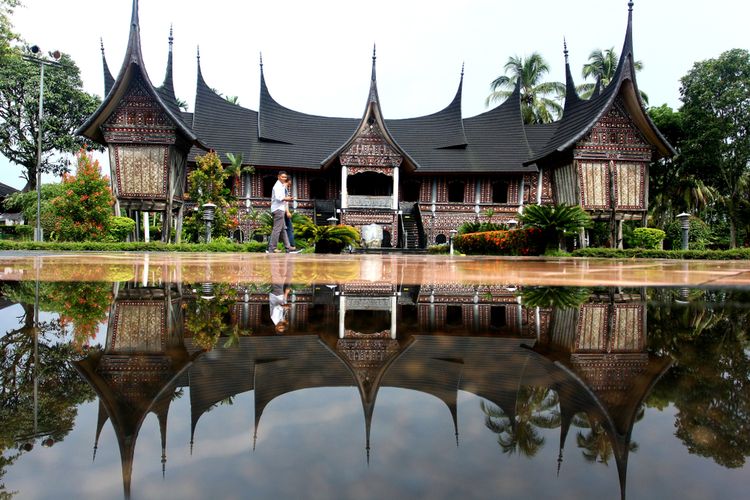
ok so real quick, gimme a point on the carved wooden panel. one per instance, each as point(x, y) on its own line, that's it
point(591, 333)
point(139, 119)
point(139, 326)
point(370, 148)
point(593, 178)
point(631, 185)
point(614, 136)
point(141, 171)
point(627, 334)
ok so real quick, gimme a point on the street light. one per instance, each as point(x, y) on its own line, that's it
point(38, 58)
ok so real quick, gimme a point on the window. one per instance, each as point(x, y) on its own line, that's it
point(500, 192)
point(411, 191)
point(318, 189)
point(268, 182)
point(456, 191)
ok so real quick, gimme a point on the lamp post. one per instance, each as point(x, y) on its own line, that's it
point(453, 233)
point(208, 216)
point(37, 58)
point(684, 219)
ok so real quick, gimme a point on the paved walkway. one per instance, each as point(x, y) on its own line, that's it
point(339, 269)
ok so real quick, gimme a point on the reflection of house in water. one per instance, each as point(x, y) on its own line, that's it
point(375, 335)
point(135, 374)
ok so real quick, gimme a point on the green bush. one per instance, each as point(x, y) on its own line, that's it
point(699, 238)
point(555, 222)
point(155, 246)
point(524, 241)
point(442, 248)
point(643, 253)
point(120, 228)
point(480, 227)
point(25, 232)
point(647, 237)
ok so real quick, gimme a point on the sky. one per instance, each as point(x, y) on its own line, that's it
point(317, 55)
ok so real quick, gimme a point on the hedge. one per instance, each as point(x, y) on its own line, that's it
point(101, 246)
point(647, 237)
point(524, 241)
point(642, 253)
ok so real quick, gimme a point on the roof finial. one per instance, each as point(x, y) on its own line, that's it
point(630, 6)
point(565, 49)
point(463, 64)
point(373, 52)
point(261, 61)
point(171, 37)
point(101, 44)
point(198, 53)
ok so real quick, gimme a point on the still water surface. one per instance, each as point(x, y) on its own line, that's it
point(370, 389)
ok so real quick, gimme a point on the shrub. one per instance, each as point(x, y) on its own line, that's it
point(327, 239)
point(555, 221)
point(25, 232)
point(83, 211)
point(480, 227)
point(442, 248)
point(120, 228)
point(524, 241)
point(647, 237)
point(699, 237)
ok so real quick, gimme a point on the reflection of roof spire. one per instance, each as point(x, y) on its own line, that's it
point(101, 419)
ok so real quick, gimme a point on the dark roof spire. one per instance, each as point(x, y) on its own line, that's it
point(571, 95)
point(109, 80)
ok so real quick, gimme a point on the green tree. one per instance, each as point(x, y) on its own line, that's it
point(673, 189)
point(66, 106)
point(7, 36)
point(716, 109)
point(83, 211)
point(25, 203)
point(602, 66)
point(540, 101)
point(208, 184)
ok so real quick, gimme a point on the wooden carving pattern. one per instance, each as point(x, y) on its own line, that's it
point(139, 119)
point(141, 171)
point(370, 148)
point(531, 181)
point(371, 168)
point(593, 178)
point(547, 192)
point(630, 179)
point(614, 137)
point(139, 326)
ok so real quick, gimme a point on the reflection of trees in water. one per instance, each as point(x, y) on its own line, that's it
point(710, 382)
point(60, 389)
point(536, 408)
point(594, 442)
point(208, 317)
point(561, 297)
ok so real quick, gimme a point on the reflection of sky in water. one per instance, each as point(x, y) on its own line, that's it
point(311, 443)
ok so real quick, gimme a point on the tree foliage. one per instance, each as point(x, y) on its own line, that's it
point(540, 100)
point(602, 66)
point(716, 113)
point(66, 106)
point(208, 184)
point(83, 210)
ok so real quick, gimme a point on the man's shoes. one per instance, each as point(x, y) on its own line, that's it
point(294, 251)
point(291, 249)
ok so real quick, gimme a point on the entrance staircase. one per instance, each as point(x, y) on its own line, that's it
point(412, 233)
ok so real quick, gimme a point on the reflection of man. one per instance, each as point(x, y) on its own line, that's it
point(279, 199)
point(279, 296)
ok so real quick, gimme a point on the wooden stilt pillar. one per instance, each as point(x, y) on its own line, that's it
point(178, 224)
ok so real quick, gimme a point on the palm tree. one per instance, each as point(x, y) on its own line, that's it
point(236, 168)
point(540, 101)
point(536, 408)
point(602, 66)
point(555, 221)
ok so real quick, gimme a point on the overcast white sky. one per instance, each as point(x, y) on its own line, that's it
point(316, 54)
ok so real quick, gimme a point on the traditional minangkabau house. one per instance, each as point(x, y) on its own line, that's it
point(417, 178)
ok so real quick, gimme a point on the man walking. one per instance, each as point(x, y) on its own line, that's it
point(279, 199)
